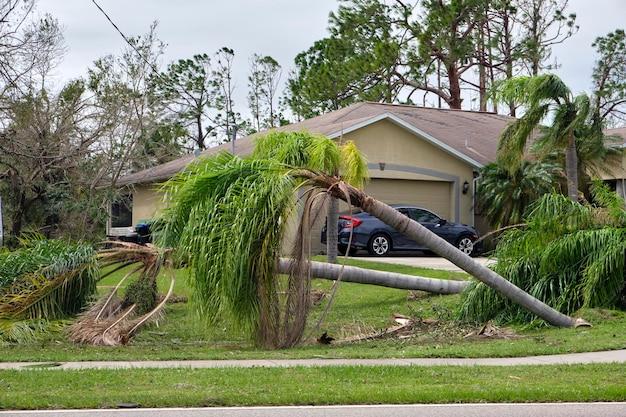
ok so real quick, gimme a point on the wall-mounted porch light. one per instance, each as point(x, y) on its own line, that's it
point(465, 188)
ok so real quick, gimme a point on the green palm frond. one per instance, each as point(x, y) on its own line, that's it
point(516, 135)
point(568, 256)
point(323, 155)
point(227, 218)
point(47, 279)
point(504, 197)
point(353, 165)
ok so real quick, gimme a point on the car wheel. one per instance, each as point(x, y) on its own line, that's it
point(343, 248)
point(466, 245)
point(379, 245)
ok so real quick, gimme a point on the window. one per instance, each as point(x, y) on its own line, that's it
point(122, 212)
point(423, 216)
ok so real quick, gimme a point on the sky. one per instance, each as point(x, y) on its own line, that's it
point(280, 28)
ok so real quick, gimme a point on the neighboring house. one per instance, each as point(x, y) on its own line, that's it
point(617, 178)
point(423, 156)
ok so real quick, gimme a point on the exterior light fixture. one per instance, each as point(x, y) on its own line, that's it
point(465, 188)
point(382, 166)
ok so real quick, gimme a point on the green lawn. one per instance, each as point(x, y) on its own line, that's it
point(41, 389)
point(357, 309)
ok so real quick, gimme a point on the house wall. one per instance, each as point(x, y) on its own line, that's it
point(409, 157)
point(618, 175)
point(147, 201)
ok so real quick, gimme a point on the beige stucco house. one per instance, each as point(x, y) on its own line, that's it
point(617, 177)
point(423, 156)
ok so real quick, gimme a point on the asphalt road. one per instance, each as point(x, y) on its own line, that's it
point(442, 410)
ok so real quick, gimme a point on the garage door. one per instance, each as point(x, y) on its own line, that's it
point(432, 195)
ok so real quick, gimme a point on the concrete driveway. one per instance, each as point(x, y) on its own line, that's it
point(430, 262)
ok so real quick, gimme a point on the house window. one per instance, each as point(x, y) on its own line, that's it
point(122, 212)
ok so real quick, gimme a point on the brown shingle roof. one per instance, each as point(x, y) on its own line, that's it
point(618, 132)
point(473, 135)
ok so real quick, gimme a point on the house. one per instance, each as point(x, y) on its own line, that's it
point(617, 178)
point(423, 156)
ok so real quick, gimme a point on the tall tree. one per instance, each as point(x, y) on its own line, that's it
point(446, 36)
point(544, 23)
point(356, 62)
point(389, 51)
point(28, 46)
point(138, 135)
point(42, 156)
point(263, 83)
point(228, 121)
point(609, 76)
point(187, 88)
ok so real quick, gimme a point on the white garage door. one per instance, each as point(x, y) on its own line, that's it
point(432, 195)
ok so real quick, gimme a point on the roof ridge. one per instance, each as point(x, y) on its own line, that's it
point(413, 106)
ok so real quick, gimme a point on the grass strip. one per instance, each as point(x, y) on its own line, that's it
point(51, 389)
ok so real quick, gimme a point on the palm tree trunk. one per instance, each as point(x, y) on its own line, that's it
point(332, 218)
point(571, 168)
point(425, 237)
point(384, 279)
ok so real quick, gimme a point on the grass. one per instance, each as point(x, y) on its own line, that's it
point(357, 309)
point(46, 389)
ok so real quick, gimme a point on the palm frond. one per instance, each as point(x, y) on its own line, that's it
point(353, 165)
point(515, 136)
point(229, 219)
point(48, 279)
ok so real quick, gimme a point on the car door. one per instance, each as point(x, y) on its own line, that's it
point(401, 241)
point(435, 224)
point(417, 215)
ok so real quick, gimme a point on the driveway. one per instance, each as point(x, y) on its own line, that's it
point(430, 262)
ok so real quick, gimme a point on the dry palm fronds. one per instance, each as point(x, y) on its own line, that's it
point(113, 320)
point(109, 323)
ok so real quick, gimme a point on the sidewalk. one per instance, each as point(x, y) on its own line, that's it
point(613, 356)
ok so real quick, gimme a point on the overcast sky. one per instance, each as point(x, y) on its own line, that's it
point(280, 28)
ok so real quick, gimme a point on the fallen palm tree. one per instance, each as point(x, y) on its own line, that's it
point(113, 320)
point(381, 278)
point(226, 218)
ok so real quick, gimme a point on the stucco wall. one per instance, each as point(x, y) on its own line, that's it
point(146, 202)
point(408, 157)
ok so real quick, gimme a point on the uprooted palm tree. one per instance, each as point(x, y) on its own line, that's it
point(226, 218)
point(570, 255)
point(573, 122)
